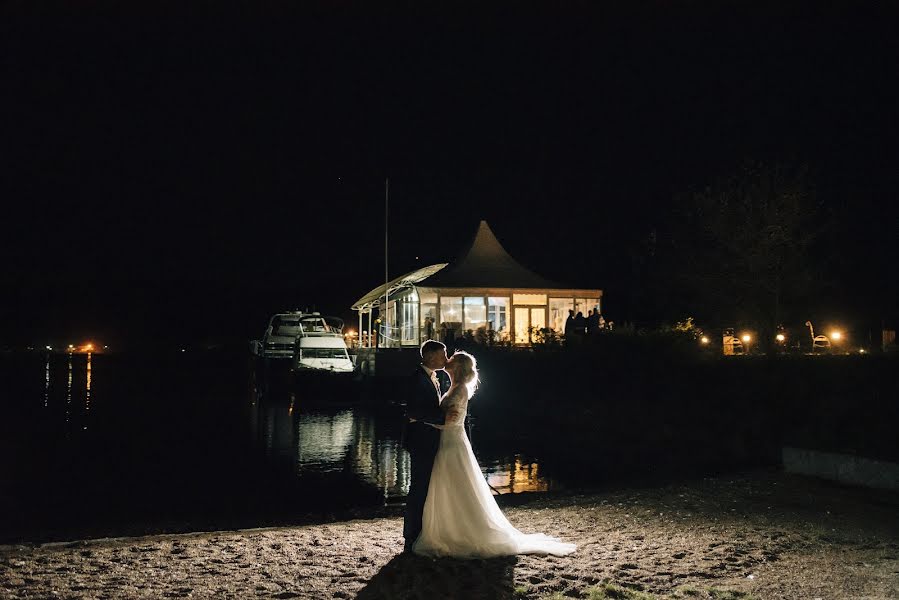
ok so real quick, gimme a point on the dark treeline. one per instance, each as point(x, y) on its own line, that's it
point(764, 245)
point(641, 405)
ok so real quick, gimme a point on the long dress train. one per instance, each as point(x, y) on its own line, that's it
point(461, 517)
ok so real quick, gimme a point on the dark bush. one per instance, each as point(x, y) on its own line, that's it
point(657, 401)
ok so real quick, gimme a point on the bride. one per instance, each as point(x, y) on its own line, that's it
point(461, 518)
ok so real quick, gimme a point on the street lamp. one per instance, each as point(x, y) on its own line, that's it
point(836, 335)
point(780, 337)
point(704, 340)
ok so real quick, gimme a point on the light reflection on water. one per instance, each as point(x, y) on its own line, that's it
point(87, 390)
point(69, 392)
point(47, 382)
point(293, 428)
point(366, 443)
point(154, 438)
point(69, 395)
point(516, 476)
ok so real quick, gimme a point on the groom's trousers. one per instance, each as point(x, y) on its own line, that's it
point(422, 462)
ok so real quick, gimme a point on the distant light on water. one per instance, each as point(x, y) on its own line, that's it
point(87, 389)
point(515, 476)
point(47, 381)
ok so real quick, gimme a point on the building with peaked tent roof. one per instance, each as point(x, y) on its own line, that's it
point(485, 291)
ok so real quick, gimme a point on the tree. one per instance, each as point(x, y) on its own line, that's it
point(746, 248)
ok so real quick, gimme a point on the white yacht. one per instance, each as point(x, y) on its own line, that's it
point(316, 353)
point(311, 343)
point(280, 336)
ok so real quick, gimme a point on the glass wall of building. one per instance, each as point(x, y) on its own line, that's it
point(428, 315)
point(451, 310)
point(584, 305)
point(409, 320)
point(526, 320)
point(498, 316)
point(415, 314)
point(475, 313)
point(388, 330)
point(529, 299)
point(522, 321)
point(558, 313)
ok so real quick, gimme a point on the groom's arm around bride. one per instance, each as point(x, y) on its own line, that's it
point(422, 407)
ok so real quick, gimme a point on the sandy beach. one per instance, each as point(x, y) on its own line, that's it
point(762, 535)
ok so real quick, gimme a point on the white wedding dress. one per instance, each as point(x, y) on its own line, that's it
point(461, 518)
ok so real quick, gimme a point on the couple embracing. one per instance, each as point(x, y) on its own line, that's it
point(450, 510)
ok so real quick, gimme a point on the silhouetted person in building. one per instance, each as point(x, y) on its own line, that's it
point(569, 325)
point(429, 328)
point(592, 321)
point(580, 326)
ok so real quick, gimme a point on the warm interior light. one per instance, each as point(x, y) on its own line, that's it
point(746, 337)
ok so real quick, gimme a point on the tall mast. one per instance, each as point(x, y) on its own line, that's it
point(386, 277)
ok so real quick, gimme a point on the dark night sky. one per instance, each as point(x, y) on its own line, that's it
point(178, 171)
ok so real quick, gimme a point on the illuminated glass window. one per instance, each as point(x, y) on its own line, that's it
point(475, 312)
point(529, 299)
point(527, 319)
point(498, 314)
point(522, 322)
point(584, 305)
point(410, 319)
point(451, 309)
point(558, 312)
point(388, 327)
point(429, 322)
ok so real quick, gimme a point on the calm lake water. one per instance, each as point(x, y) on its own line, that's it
point(124, 444)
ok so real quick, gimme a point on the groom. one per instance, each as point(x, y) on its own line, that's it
point(422, 440)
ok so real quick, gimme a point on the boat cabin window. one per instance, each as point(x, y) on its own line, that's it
point(315, 325)
point(285, 327)
point(323, 353)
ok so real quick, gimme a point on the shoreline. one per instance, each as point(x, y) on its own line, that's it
point(764, 533)
point(394, 508)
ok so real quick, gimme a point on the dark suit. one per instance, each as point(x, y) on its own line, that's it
point(593, 323)
point(422, 441)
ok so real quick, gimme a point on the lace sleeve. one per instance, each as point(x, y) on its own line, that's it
point(457, 406)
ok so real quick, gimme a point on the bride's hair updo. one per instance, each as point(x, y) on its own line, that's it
point(467, 371)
